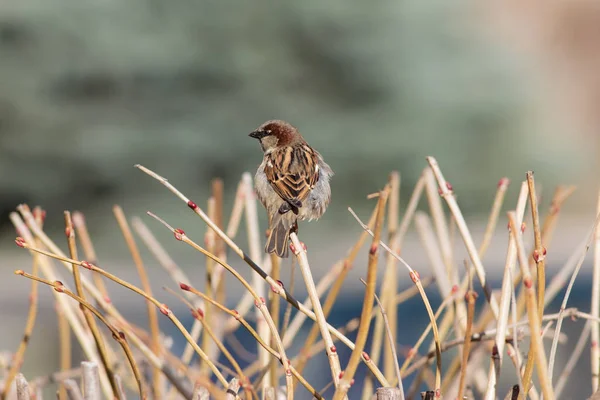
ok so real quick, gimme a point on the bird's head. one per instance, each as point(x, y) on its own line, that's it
point(275, 133)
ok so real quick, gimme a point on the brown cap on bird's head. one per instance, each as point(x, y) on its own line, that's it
point(284, 132)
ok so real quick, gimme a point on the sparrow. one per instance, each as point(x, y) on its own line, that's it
point(292, 182)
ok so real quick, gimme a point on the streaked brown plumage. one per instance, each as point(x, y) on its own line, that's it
point(292, 182)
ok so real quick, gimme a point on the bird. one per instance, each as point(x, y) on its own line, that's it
point(292, 182)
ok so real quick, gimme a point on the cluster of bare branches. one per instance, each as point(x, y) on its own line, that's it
point(493, 335)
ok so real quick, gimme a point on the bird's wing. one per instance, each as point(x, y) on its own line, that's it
point(293, 172)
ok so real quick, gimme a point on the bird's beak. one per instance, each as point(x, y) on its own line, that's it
point(258, 134)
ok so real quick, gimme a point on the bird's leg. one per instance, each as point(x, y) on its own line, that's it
point(291, 205)
point(294, 227)
point(284, 208)
point(296, 203)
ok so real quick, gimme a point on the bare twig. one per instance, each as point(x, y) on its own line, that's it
point(31, 317)
point(200, 393)
point(91, 322)
point(258, 284)
point(415, 277)
point(391, 344)
point(91, 383)
point(448, 195)
point(88, 249)
point(22, 388)
point(471, 296)
point(537, 349)
point(232, 389)
point(117, 335)
point(389, 393)
point(253, 332)
point(365, 317)
point(152, 316)
point(300, 252)
point(563, 306)
point(73, 391)
point(595, 308)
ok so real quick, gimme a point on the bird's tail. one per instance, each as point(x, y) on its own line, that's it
point(279, 237)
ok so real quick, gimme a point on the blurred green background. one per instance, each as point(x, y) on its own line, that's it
point(90, 88)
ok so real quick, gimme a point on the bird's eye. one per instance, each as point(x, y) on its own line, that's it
point(268, 131)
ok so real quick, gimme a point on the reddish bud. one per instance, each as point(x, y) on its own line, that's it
point(192, 205)
point(373, 249)
point(277, 288)
point(449, 186)
point(523, 226)
point(411, 352)
point(352, 382)
point(20, 242)
point(293, 248)
point(503, 182)
point(454, 289)
point(494, 351)
point(366, 356)
point(200, 312)
point(184, 286)
point(86, 264)
point(288, 372)
point(165, 310)
point(246, 384)
point(341, 375)
point(68, 232)
point(528, 283)
point(37, 213)
point(236, 314)
point(414, 275)
point(333, 349)
point(107, 300)
point(179, 233)
point(537, 257)
point(594, 343)
point(438, 393)
point(347, 264)
point(257, 303)
point(471, 295)
point(19, 272)
point(440, 191)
